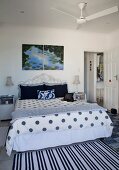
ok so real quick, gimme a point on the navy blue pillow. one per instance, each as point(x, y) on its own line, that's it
point(30, 92)
point(60, 90)
point(48, 87)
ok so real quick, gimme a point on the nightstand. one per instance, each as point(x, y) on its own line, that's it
point(6, 106)
point(81, 96)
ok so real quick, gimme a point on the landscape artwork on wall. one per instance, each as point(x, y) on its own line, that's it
point(42, 57)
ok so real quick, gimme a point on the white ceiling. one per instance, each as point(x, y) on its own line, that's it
point(39, 13)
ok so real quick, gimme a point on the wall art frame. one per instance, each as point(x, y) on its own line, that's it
point(42, 57)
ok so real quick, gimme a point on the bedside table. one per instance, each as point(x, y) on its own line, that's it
point(6, 106)
point(81, 96)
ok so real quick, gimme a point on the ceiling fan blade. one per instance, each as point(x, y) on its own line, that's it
point(63, 12)
point(102, 13)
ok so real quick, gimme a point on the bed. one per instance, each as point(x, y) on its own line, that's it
point(42, 123)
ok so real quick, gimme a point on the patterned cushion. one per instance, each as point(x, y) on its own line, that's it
point(46, 95)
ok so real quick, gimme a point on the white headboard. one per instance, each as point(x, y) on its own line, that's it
point(43, 79)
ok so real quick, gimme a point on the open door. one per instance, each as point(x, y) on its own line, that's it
point(90, 76)
point(94, 77)
point(111, 79)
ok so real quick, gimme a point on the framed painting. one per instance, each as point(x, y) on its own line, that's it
point(42, 57)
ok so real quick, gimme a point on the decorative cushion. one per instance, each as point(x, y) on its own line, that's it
point(46, 95)
point(60, 90)
point(69, 97)
point(30, 92)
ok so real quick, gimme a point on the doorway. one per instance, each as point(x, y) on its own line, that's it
point(94, 77)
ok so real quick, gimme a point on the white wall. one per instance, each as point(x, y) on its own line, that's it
point(113, 40)
point(74, 42)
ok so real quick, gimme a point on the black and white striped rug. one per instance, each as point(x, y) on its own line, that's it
point(93, 155)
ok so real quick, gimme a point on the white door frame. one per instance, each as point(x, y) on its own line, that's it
point(90, 51)
point(107, 103)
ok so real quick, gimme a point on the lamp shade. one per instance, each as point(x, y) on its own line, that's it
point(9, 81)
point(76, 79)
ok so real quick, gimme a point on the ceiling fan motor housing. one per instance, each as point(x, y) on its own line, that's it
point(81, 20)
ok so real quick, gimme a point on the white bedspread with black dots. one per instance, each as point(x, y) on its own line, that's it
point(34, 107)
point(57, 122)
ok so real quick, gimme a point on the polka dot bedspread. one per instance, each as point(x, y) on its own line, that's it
point(56, 122)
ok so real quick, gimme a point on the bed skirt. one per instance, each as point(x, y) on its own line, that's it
point(38, 141)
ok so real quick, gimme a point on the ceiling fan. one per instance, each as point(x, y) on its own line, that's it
point(82, 19)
